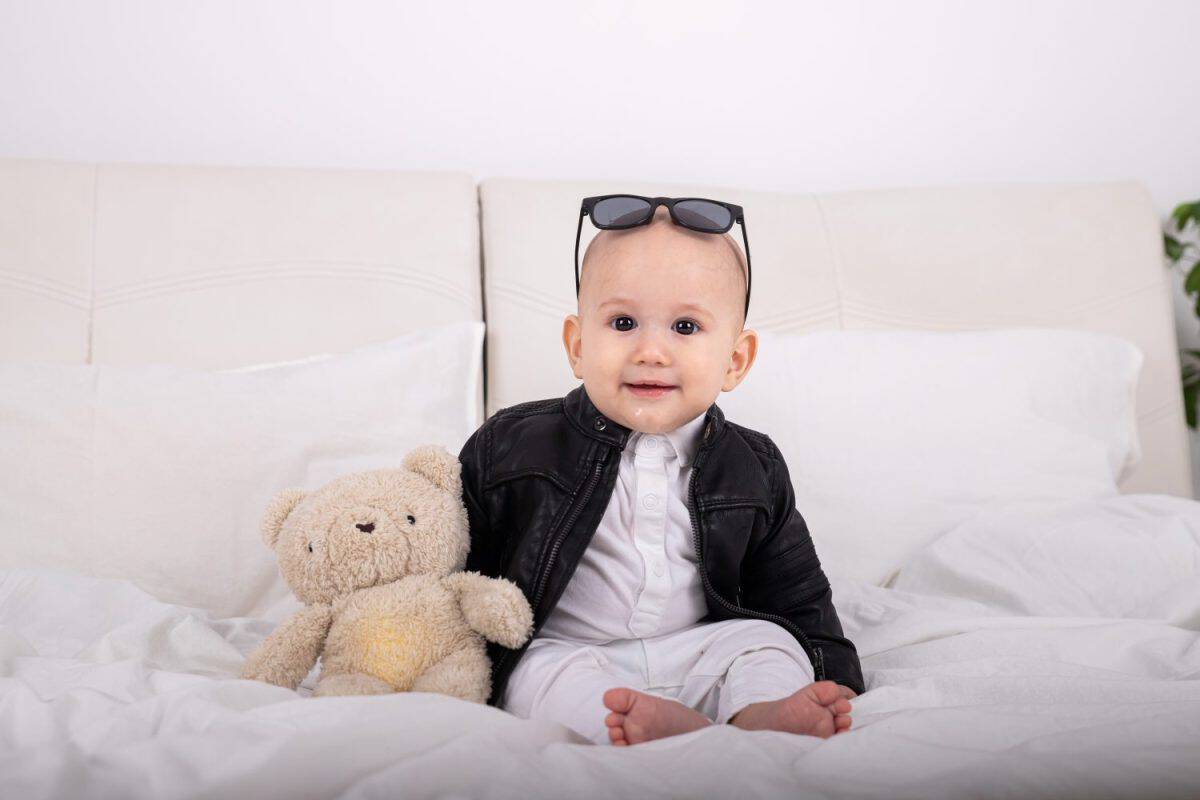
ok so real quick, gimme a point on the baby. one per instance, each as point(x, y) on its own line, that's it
point(674, 584)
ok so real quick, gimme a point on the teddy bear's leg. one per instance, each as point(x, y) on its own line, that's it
point(344, 683)
point(465, 673)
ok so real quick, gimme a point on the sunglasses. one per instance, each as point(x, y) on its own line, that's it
point(619, 211)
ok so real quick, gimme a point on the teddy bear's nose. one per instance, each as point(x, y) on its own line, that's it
point(366, 528)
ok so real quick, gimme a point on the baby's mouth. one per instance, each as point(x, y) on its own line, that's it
point(649, 389)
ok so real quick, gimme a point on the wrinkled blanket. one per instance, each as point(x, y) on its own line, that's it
point(1035, 651)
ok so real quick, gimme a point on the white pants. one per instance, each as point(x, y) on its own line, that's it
point(717, 668)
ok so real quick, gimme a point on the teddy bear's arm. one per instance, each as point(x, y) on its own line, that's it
point(288, 654)
point(495, 607)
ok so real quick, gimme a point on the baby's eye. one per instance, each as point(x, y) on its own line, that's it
point(689, 327)
point(619, 320)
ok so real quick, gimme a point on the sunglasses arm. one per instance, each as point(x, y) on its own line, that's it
point(578, 231)
point(746, 242)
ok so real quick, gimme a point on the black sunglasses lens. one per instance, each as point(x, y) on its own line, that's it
point(620, 211)
point(704, 215)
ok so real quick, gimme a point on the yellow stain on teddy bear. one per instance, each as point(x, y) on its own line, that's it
point(392, 649)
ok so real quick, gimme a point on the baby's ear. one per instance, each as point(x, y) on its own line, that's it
point(277, 512)
point(438, 465)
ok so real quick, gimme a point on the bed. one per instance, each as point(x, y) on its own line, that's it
point(179, 342)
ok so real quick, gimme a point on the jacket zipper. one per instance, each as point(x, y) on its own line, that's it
point(560, 535)
point(818, 661)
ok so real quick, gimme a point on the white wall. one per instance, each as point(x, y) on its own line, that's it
point(792, 96)
point(803, 96)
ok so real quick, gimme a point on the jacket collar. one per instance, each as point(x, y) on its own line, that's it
point(587, 418)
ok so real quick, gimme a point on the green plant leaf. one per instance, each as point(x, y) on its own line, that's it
point(1185, 213)
point(1191, 283)
point(1189, 404)
point(1173, 248)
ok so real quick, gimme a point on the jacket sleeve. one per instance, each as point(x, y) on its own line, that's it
point(484, 555)
point(783, 576)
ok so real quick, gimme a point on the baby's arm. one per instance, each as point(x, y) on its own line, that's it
point(782, 575)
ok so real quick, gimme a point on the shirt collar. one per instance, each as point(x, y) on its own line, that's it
point(684, 440)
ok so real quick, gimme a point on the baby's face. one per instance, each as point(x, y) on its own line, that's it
point(659, 304)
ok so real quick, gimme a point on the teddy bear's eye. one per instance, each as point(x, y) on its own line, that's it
point(310, 547)
point(412, 520)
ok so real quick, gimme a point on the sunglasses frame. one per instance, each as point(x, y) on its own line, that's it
point(736, 215)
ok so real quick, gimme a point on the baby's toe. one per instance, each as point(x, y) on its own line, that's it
point(825, 692)
point(841, 722)
point(841, 706)
point(619, 700)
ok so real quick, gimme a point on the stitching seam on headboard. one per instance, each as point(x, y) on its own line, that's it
point(91, 318)
point(482, 293)
point(837, 260)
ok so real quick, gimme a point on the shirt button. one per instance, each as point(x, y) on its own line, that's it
point(659, 569)
point(651, 444)
point(650, 501)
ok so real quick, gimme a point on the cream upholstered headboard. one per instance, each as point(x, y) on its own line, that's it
point(219, 267)
point(226, 266)
point(1086, 256)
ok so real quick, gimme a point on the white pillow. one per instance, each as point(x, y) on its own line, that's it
point(160, 474)
point(1131, 556)
point(894, 437)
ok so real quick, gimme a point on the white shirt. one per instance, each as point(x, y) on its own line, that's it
point(638, 576)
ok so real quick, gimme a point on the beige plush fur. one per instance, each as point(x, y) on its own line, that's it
point(377, 558)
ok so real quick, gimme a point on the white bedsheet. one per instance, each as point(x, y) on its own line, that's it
point(1028, 653)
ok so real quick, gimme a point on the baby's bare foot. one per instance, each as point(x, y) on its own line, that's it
point(816, 710)
point(637, 717)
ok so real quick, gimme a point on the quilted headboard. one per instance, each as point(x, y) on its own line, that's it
point(218, 267)
point(1086, 256)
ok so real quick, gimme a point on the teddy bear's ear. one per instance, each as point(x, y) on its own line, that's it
point(277, 511)
point(438, 464)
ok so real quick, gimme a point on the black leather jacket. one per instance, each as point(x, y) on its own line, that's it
point(538, 476)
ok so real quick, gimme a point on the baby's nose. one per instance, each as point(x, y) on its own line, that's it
point(366, 527)
point(651, 351)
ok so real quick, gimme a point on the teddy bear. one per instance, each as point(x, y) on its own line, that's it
point(377, 558)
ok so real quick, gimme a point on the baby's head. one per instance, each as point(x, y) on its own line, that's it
point(659, 303)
